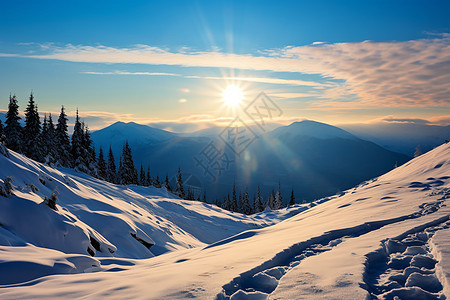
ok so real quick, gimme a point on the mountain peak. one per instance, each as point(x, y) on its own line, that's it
point(313, 129)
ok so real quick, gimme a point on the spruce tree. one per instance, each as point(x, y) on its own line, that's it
point(127, 171)
point(149, 180)
point(227, 203)
point(13, 129)
point(278, 201)
point(167, 184)
point(52, 154)
point(2, 133)
point(179, 191)
point(292, 200)
point(239, 204)
point(270, 201)
point(44, 138)
point(233, 206)
point(204, 197)
point(190, 194)
point(78, 151)
point(62, 141)
point(32, 131)
point(142, 177)
point(246, 208)
point(102, 171)
point(258, 204)
point(111, 170)
point(157, 183)
point(89, 151)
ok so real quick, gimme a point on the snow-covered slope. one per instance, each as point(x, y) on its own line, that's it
point(386, 237)
point(96, 218)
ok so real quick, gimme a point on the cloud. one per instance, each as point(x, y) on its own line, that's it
point(440, 120)
point(406, 120)
point(411, 73)
point(292, 95)
point(182, 100)
point(270, 80)
point(131, 73)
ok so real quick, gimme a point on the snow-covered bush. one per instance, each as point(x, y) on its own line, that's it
point(51, 202)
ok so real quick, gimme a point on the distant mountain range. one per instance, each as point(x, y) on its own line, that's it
point(313, 158)
point(401, 137)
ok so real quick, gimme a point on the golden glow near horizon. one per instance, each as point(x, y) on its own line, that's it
point(232, 96)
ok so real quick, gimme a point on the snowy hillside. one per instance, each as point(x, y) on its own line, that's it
point(384, 238)
point(96, 218)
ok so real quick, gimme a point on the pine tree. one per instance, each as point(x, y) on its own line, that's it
point(102, 171)
point(204, 197)
point(227, 203)
point(246, 208)
point(89, 151)
point(239, 203)
point(149, 180)
point(270, 201)
point(167, 184)
point(142, 177)
point(190, 194)
point(278, 202)
point(157, 183)
point(45, 140)
point(258, 205)
point(179, 191)
point(2, 133)
point(78, 147)
point(64, 157)
point(233, 206)
point(127, 171)
point(13, 130)
point(51, 157)
point(292, 200)
point(32, 131)
point(111, 170)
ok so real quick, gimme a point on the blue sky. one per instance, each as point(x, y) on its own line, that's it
point(331, 61)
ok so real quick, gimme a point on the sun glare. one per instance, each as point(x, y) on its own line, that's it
point(232, 96)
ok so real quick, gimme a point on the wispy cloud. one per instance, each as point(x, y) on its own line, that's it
point(292, 95)
point(270, 80)
point(131, 73)
point(399, 73)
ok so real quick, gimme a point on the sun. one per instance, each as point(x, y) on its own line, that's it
point(232, 96)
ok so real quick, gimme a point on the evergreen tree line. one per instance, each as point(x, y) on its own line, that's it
point(52, 145)
point(243, 204)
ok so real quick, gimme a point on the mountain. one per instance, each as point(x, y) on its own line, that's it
point(311, 129)
point(136, 134)
point(386, 238)
point(401, 137)
point(315, 159)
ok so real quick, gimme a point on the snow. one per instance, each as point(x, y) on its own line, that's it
point(386, 237)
